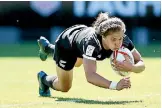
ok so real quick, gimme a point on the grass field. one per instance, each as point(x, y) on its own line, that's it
point(19, 86)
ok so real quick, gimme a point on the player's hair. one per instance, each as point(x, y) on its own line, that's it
point(105, 24)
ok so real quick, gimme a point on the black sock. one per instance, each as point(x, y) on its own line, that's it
point(50, 49)
point(48, 80)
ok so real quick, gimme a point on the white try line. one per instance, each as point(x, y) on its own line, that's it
point(74, 100)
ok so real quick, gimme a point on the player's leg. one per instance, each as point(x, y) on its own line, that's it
point(43, 87)
point(65, 61)
point(64, 80)
point(46, 48)
point(79, 62)
point(61, 82)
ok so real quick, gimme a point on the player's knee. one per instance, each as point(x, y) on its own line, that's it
point(79, 62)
point(65, 88)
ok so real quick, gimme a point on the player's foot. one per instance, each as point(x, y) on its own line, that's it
point(43, 89)
point(43, 43)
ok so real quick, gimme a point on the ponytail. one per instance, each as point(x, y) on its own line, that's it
point(101, 18)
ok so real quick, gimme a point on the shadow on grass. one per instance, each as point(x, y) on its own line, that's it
point(87, 101)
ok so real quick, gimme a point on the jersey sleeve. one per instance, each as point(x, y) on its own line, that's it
point(128, 43)
point(91, 48)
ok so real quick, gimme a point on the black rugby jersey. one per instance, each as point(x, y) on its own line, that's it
point(86, 43)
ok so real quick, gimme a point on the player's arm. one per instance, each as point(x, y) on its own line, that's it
point(139, 65)
point(95, 79)
point(92, 76)
point(91, 48)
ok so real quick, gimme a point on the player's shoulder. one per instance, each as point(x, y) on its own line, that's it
point(91, 44)
point(88, 33)
point(91, 30)
point(126, 40)
point(92, 38)
point(128, 43)
point(78, 26)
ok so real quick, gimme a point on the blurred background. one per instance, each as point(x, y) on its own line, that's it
point(23, 22)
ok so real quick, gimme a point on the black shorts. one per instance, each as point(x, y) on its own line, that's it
point(64, 56)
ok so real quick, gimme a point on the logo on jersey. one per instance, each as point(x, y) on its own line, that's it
point(99, 56)
point(90, 50)
point(62, 63)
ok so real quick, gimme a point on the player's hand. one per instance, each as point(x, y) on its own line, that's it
point(124, 83)
point(126, 65)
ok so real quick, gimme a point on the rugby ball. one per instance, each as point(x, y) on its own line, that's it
point(119, 56)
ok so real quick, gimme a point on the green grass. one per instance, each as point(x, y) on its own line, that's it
point(31, 50)
point(19, 86)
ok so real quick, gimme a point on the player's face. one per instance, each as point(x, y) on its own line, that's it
point(114, 40)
